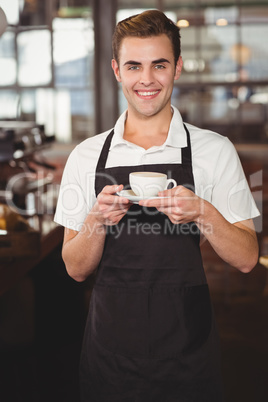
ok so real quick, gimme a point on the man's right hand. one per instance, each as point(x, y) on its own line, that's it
point(109, 209)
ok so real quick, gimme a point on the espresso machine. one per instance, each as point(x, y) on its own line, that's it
point(24, 172)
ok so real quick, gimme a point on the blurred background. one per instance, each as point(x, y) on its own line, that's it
point(56, 89)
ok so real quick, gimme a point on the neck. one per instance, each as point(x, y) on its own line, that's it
point(155, 126)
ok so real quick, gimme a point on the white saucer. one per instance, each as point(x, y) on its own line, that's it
point(130, 195)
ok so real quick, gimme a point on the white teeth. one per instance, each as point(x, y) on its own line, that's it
point(147, 93)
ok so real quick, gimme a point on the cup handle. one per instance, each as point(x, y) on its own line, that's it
point(171, 181)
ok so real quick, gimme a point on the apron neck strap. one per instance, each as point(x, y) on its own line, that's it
point(187, 152)
point(104, 152)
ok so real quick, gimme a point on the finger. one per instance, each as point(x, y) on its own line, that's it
point(114, 217)
point(175, 221)
point(177, 213)
point(119, 212)
point(171, 192)
point(107, 210)
point(167, 202)
point(111, 199)
point(112, 189)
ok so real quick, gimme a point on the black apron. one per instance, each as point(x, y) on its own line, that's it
point(150, 334)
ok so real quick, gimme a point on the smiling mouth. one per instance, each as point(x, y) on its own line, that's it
point(146, 94)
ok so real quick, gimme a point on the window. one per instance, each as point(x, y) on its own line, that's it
point(8, 63)
point(224, 81)
point(46, 66)
point(34, 58)
point(223, 86)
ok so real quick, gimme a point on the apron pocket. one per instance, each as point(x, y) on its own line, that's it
point(120, 321)
point(180, 320)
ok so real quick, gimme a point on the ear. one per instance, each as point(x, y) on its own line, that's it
point(115, 68)
point(178, 68)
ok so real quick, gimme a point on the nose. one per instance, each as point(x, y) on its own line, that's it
point(146, 77)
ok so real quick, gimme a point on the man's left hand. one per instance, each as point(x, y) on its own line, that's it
point(181, 205)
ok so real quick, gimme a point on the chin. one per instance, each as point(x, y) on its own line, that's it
point(148, 112)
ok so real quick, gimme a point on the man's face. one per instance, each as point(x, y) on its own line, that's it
point(147, 72)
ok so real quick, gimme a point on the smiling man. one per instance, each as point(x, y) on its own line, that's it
point(146, 70)
point(150, 333)
point(147, 82)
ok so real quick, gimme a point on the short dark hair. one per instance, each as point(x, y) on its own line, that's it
point(149, 23)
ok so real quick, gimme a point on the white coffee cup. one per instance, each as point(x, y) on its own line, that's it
point(148, 184)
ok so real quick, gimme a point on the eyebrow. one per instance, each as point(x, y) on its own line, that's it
point(136, 63)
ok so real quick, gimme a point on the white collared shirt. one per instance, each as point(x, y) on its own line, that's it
point(218, 175)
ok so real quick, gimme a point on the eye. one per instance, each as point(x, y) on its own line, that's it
point(159, 66)
point(133, 68)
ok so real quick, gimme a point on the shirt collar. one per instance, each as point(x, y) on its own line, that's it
point(176, 135)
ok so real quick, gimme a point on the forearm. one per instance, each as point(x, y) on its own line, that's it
point(234, 243)
point(82, 253)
